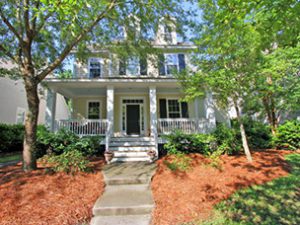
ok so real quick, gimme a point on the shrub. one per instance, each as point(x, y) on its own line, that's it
point(63, 141)
point(227, 139)
point(11, 137)
point(68, 162)
point(189, 143)
point(288, 135)
point(259, 135)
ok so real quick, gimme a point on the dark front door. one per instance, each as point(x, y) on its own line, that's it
point(133, 119)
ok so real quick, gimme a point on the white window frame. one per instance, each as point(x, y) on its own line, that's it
point(166, 63)
point(167, 105)
point(100, 60)
point(87, 109)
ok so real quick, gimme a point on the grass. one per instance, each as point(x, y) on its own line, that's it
point(276, 202)
point(10, 157)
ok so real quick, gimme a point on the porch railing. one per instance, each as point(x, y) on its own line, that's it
point(188, 126)
point(83, 127)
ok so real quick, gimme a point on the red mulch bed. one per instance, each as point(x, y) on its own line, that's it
point(41, 198)
point(185, 196)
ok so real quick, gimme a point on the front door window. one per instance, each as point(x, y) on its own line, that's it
point(93, 110)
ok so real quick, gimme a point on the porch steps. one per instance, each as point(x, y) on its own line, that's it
point(131, 149)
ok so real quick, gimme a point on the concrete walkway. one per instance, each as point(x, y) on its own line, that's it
point(10, 163)
point(127, 198)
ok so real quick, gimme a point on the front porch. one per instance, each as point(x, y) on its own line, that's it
point(132, 109)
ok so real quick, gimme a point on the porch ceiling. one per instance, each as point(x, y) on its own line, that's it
point(95, 87)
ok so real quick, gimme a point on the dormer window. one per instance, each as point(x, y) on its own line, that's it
point(95, 67)
point(170, 64)
point(167, 33)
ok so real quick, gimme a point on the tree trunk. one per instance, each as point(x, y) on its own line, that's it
point(243, 133)
point(270, 111)
point(29, 147)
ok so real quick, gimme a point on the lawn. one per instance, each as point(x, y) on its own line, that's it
point(181, 197)
point(42, 197)
point(10, 157)
point(276, 202)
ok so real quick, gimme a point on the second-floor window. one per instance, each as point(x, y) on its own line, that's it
point(94, 67)
point(170, 64)
point(133, 66)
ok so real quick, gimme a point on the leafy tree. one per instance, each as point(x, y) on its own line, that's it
point(277, 87)
point(37, 35)
point(248, 53)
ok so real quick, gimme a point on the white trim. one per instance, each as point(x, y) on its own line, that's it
point(123, 132)
point(101, 66)
point(87, 108)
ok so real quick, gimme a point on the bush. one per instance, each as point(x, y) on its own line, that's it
point(189, 143)
point(64, 141)
point(288, 135)
point(11, 138)
point(228, 139)
point(179, 162)
point(259, 135)
point(68, 162)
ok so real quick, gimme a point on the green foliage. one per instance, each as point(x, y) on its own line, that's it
point(276, 202)
point(11, 138)
point(179, 162)
point(228, 139)
point(288, 135)
point(189, 143)
point(258, 134)
point(64, 141)
point(69, 162)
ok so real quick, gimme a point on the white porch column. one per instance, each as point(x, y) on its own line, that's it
point(153, 114)
point(50, 110)
point(209, 111)
point(109, 113)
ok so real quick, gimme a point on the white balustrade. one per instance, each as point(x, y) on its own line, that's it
point(85, 127)
point(188, 126)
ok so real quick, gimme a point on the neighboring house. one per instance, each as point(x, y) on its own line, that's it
point(14, 103)
point(134, 102)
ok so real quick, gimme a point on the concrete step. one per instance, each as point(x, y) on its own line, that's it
point(130, 159)
point(132, 148)
point(122, 220)
point(130, 154)
point(132, 144)
point(124, 200)
point(131, 139)
point(128, 173)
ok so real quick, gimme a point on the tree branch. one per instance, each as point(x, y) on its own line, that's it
point(7, 53)
point(74, 42)
point(26, 19)
point(10, 26)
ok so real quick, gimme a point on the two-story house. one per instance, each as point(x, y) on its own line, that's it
point(133, 102)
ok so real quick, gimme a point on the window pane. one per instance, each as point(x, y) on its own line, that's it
point(133, 66)
point(94, 110)
point(95, 67)
point(174, 108)
point(172, 63)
